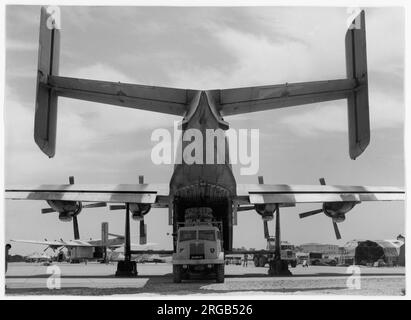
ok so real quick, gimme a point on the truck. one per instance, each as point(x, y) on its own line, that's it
point(199, 247)
point(288, 253)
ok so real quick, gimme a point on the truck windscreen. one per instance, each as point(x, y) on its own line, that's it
point(206, 235)
point(187, 235)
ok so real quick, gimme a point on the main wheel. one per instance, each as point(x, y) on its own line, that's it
point(262, 261)
point(256, 262)
point(177, 271)
point(220, 273)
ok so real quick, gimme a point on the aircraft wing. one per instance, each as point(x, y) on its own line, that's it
point(291, 194)
point(45, 242)
point(58, 243)
point(156, 194)
point(137, 246)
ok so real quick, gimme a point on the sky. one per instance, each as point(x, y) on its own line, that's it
point(205, 48)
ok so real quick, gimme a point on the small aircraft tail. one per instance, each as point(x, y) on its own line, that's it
point(104, 233)
point(115, 235)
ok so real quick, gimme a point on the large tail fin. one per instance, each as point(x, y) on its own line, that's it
point(48, 64)
point(354, 88)
point(50, 86)
point(358, 108)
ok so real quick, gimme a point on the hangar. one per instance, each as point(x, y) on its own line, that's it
point(367, 252)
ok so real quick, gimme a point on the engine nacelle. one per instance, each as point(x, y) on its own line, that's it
point(66, 209)
point(266, 211)
point(337, 210)
point(139, 210)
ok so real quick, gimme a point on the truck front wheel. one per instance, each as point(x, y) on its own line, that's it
point(177, 273)
point(220, 273)
point(262, 261)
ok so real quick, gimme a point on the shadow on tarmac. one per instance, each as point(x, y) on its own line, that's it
point(248, 275)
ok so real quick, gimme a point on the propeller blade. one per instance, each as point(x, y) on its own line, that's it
point(322, 181)
point(310, 213)
point(48, 210)
point(245, 208)
point(75, 228)
point(95, 205)
point(117, 207)
point(337, 231)
point(71, 179)
point(266, 233)
point(143, 234)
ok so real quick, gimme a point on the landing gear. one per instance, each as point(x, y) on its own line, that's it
point(262, 261)
point(127, 268)
point(220, 273)
point(278, 267)
point(177, 273)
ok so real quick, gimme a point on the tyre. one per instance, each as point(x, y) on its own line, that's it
point(262, 261)
point(177, 273)
point(293, 263)
point(220, 273)
point(256, 262)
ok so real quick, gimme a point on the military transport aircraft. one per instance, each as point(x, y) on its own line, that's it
point(195, 185)
point(92, 249)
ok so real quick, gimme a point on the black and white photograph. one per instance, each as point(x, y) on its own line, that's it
point(203, 151)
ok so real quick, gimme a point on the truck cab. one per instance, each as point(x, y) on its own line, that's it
point(288, 253)
point(199, 250)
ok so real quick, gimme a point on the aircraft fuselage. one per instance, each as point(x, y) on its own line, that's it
point(205, 184)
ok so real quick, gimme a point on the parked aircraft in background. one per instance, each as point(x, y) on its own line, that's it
point(93, 249)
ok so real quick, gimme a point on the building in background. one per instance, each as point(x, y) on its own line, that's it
point(327, 249)
point(372, 253)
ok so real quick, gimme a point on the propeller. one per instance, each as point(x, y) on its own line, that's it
point(265, 221)
point(314, 212)
point(117, 207)
point(90, 205)
point(143, 226)
point(336, 230)
point(95, 205)
point(143, 232)
point(245, 208)
point(48, 210)
point(75, 221)
point(310, 213)
point(266, 231)
point(138, 213)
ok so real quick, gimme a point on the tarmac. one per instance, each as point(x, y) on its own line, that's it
point(156, 280)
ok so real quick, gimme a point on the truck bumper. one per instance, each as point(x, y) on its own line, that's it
point(219, 260)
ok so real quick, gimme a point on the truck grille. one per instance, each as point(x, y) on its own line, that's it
point(196, 251)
